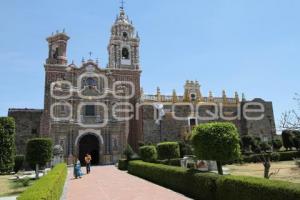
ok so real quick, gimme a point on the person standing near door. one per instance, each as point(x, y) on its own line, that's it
point(88, 159)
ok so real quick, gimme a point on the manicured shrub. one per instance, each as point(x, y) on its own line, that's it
point(185, 149)
point(19, 160)
point(289, 155)
point(287, 139)
point(128, 152)
point(49, 187)
point(296, 140)
point(188, 182)
point(247, 142)
point(123, 164)
point(212, 186)
point(277, 144)
point(172, 162)
point(264, 146)
point(248, 188)
point(148, 153)
point(216, 141)
point(283, 156)
point(7, 144)
point(168, 150)
point(275, 156)
point(38, 152)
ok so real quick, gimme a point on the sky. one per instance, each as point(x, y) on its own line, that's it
point(251, 47)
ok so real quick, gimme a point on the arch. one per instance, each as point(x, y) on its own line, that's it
point(89, 131)
point(89, 144)
point(125, 53)
point(79, 149)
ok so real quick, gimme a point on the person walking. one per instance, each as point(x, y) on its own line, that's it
point(88, 159)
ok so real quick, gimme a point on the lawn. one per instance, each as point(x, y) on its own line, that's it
point(9, 187)
point(288, 171)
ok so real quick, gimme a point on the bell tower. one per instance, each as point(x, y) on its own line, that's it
point(57, 48)
point(123, 48)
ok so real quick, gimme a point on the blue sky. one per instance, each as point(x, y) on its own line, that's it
point(236, 45)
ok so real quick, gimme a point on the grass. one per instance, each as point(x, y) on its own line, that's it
point(10, 187)
point(288, 171)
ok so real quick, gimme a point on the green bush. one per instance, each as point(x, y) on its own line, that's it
point(247, 142)
point(289, 155)
point(168, 150)
point(185, 149)
point(19, 160)
point(148, 153)
point(172, 162)
point(123, 164)
point(49, 187)
point(264, 146)
point(128, 152)
point(212, 186)
point(248, 188)
point(7, 144)
point(276, 156)
point(277, 144)
point(188, 182)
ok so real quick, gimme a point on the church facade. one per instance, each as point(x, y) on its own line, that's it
point(99, 110)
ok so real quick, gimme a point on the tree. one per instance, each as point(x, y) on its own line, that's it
point(216, 141)
point(296, 139)
point(264, 146)
point(247, 142)
point(38, 152)
point(7, 144)
point(277, 144)
point(291, 119)
point(287, 139)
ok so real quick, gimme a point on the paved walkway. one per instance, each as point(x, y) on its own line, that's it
point(109, 183)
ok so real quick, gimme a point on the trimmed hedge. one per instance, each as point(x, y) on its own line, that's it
point(122, 164)
point(248, 188)
point(148, 153)
point(188, 182)
point(212, 186)
point(172, 162)
point(49, 187)
point(168, 150)
point(275, 156)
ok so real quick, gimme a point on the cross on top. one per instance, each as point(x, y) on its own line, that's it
point(122, 4)
point(90, 53)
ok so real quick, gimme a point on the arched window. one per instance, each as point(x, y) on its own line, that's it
point(193, 97)
point(90, 82)
point(125, 35)
point(125, 53)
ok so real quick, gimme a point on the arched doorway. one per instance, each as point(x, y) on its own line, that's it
point(89, 144)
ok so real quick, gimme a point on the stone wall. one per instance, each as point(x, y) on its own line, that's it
point(169, 129)
point(27, 126)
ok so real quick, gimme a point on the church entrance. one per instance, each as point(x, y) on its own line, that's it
point(89, 144)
